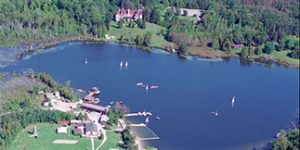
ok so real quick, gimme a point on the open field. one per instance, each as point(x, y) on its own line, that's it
point(47, 135)
point(157, 39)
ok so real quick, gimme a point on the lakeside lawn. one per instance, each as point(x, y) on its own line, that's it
point(280, 55)
point(130, 34)
point(47, 135)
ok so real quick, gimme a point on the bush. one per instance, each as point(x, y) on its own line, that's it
point(259, 51)
point(294, 54)
point(270, 47)
point(185, 12)
point(251, 51)
point(244, 53)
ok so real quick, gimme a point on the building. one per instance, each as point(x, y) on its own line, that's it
point(63, 122)
point(79, 130)
point(92, 130)
point(103, 120)
point(62, 130)
point(97, 108)
point(89, 99)
point(129, 14)
point(78, 122)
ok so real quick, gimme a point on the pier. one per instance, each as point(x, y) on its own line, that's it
point(138, 114)
point(143, 133)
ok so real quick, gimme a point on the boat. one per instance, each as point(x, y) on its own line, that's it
point(86, 61)
point(154, 87)
point(215, 113)
point(80, 90)
point(94, 91)
point(157, 118)
point(147, 120)
point(121, 64)
point(232, 101)
point(140, 84)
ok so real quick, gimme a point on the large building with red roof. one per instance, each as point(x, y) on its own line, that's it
point(129, 14)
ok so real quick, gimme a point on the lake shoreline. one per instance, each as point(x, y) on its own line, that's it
point(27, 48)
point(123, 50)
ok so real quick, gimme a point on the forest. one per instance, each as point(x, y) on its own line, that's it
point(269, 25)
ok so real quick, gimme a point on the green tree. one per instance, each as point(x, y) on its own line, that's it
point(259, 50)
point(155, 16)
point(244, 53)
point(147, 39)
point(251, 51)
point(121, 23)
point(270, 47)
point(139, 40)
point(107, 23)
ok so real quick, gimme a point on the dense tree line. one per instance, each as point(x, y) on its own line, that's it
point(274, 24)
point(226, 22)
point(35, 19)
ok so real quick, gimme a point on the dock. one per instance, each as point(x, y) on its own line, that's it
point(137, 125)
point(138, 114)
point(142, 126)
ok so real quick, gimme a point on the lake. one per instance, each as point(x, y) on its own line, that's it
point(267, 99)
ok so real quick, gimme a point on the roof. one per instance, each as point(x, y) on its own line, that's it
point(89, 98)
point(94, 107)
point(63, 122)
point(130, 12)
point(94, 89)
point(92, 128)
point(78, 131)
point(104, 118)
point(62, 130)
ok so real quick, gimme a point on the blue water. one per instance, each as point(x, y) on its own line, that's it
point(267, 99)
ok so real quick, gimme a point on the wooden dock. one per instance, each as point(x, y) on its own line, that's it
point(155, 137)
point(138, 114)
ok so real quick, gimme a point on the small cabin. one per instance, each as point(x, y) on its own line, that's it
point(62, 130)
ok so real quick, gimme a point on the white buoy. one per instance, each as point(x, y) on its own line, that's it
point(126, 64)
point(86, 61)
point(232, 101)
point(121, 64)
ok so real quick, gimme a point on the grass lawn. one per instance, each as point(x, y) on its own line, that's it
point(157, 39)
point(283, 56)
point(47, 135)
